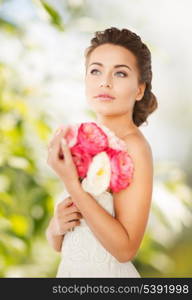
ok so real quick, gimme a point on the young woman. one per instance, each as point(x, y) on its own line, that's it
point(118, 89)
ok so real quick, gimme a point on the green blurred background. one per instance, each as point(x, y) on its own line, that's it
point(41, 87)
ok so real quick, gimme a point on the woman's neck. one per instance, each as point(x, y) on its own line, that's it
point(120, 125)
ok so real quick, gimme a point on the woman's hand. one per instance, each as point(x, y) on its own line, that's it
point(61, 161)
point(66, 217)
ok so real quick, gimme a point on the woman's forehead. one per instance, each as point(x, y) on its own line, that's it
point(109, 54)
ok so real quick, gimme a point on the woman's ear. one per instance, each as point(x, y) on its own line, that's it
point(140, 92)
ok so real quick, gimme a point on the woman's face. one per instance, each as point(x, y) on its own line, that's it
point(112, 70)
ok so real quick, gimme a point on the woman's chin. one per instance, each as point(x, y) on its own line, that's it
point(102, 109)
point(106, 114)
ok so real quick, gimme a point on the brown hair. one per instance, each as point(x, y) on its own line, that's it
point(133, 43)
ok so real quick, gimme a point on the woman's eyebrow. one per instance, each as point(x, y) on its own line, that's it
point(116, 66)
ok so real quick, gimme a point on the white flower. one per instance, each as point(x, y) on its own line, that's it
point(98, 175)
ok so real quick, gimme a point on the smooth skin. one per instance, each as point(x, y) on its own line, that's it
point(122, 234)
point(66, 215)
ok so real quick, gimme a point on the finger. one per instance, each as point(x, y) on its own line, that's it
point(62, 209)
point(66, 150)
point(61, 130)
point(67, 202)
point(67, 226)
point(61, 212)
point(72, 224)
point(72, 217)
point(57, 132)
point(57, 148)
point(71, 209)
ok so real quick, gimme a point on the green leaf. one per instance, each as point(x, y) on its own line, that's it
point(10, 27)
point(54, 15)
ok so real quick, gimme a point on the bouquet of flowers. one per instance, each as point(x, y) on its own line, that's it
point(100, 157)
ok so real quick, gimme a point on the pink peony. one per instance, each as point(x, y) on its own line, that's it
point(121, 169)
point(92, 138)
point(86, 140)
point(82, 160)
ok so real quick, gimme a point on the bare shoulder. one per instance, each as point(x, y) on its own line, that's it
point(138, 146)
point(132, 204)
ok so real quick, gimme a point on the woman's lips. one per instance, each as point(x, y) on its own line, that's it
point(104, 97)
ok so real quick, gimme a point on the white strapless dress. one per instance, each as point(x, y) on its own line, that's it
point(82, 255)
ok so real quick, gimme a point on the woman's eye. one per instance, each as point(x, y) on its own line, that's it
point(122, 73)
point(94, 71)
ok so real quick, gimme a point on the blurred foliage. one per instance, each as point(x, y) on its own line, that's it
point(10, 27)
point(27, 192)
point(72, 10)
point(167, 244)
point(54, 16)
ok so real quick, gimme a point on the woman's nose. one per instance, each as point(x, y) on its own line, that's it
point(105, 84)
